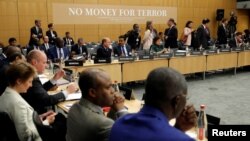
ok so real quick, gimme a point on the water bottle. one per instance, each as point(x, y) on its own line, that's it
point(116, 87)
point(202, 124)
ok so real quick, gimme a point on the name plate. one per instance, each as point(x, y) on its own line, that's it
point(128, 58)
point(247, 48)
point(211, 51)
point(102, 60)
point(238, 49)
point(179, 54)
point(225, 50)
point(68, 75)
point(74, 62)
point(146, 57)
point(197, 53)
point(165, 55)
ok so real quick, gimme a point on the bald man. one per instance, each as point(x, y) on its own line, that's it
point(37, 95)
point(86, 121)
point(165, 99)
point(104, 50)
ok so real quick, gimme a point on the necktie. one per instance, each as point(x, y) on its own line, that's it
point(123, 53)
point(46, 46)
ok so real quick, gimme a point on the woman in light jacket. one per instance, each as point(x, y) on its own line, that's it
point(149, 35)
point(188, 33)
point(20, 77)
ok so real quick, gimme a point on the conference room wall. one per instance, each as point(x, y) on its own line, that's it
point(17, 17)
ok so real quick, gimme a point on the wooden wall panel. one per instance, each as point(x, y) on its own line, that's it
point(18, 17)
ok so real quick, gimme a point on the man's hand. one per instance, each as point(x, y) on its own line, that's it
point(118, 103)
point(187, 119)
point(71, 88)
point(59, 74)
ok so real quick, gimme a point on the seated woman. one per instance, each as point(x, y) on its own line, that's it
point(156, 47)
point(20, 76)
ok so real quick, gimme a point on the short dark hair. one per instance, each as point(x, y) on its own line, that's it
point(88, 79)
point(50, 25)
point(104, 40)
point(205, 21)
point(187, 24)
point(36, 21)
point(21, 70)
point(162, 85)
point(224, 20)
point(238, 33)
point(135, 26)
point(12, 39)
point(67, 32)
point(10, 50)
point(156, 39)
point(122, 37)
point(13, 56)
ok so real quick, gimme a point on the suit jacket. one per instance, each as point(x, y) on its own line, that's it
point(232, 43)
point(38, 97)
point(71, 41)
point(103, 52)
point(53, 55)
point(20, 113)
point(172, 34)
point(77, 50)
point(118, 50)
point(44, 49)
point(134, 39)
point(86, 122)
point(202, 37)
point(38, 33)
point(51, 39)
point(222, 35)
point(147, 125)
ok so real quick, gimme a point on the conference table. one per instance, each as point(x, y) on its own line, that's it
point(123, 72)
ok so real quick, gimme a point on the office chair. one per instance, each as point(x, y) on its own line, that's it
point(7, 128)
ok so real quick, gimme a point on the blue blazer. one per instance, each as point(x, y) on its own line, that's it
point(150, 124)
point(118, 50)
point(52, 53)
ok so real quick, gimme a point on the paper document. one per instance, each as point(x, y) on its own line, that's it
point(74, 96)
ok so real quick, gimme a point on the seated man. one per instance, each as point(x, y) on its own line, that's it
point(79, 48)
point(122, 49)
point(37, 95)
point(46, 45)
point(237, 41)
point(104, 50)
point(165, 99)
point(86, 120)
point(58, 52)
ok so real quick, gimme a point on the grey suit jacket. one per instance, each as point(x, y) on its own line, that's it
point(86, 122)
point(20, 113)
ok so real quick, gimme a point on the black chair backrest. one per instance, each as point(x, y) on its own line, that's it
point(212, 120)
point(7, 128)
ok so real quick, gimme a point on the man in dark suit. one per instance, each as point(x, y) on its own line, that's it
point(222, 32)
point(133, 37)
point(122, 49)
point(237, 41)
point(202, 34)
point(104, 50)
point(7, 53)
point(79, 48)
point(46, 45)
point(58, 52)
point(171, 35)
point(68, 40)
point(37, 95)
point(51, 34)
point(36, 32)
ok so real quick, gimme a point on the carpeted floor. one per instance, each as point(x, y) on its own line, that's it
point(226, 95)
